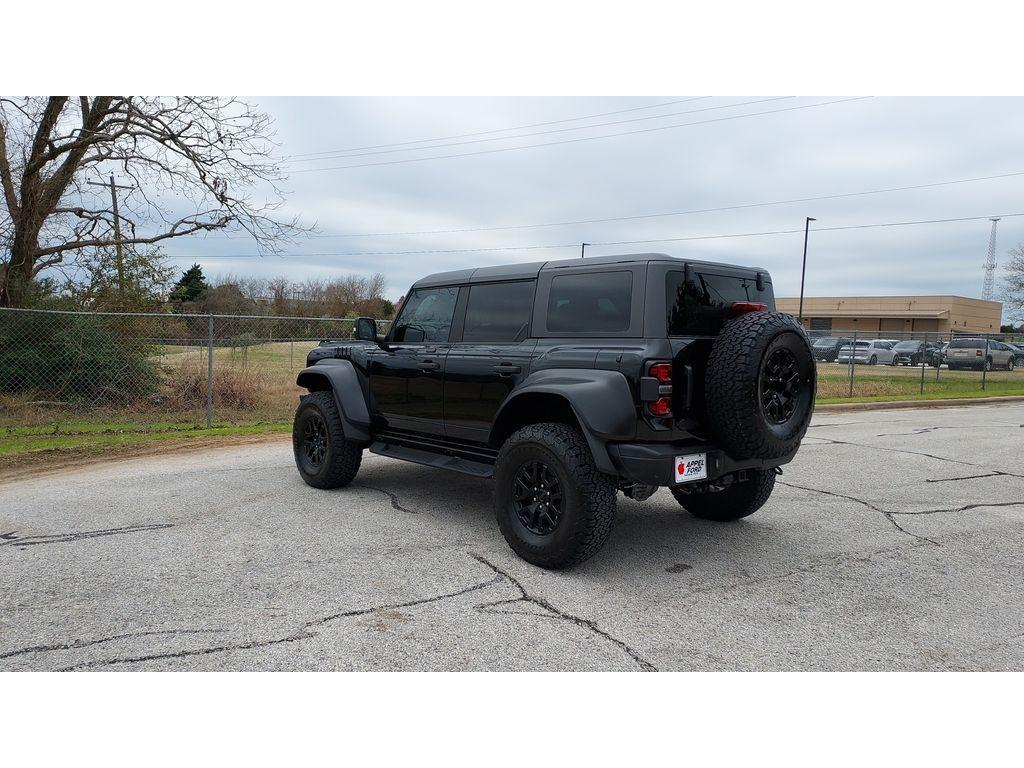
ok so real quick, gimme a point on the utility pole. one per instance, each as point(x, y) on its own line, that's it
point(583, 249)
point(117, 234)
point(803, 272)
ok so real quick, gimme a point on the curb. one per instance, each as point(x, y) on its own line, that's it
point(888, 405)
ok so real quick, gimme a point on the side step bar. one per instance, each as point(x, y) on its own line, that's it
point(417, 456)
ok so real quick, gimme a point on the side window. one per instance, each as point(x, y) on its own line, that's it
point(426, 315)
point(499, 312)
point(593, 302)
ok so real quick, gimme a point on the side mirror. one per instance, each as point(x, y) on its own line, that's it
point(366, 329)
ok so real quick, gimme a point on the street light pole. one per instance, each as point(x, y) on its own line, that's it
point(803, 271)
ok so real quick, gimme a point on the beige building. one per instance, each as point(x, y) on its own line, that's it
point(896, 314)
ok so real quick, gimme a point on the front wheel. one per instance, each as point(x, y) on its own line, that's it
point(553, 506)
point(726, 503)
point(324, 457)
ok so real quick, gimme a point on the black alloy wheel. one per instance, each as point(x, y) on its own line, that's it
point(780, 386)
point(537, 498)
point(314, 441)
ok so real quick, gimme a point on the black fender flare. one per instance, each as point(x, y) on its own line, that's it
point(341, 377)
point(600, 399)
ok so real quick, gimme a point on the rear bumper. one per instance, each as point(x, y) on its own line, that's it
point(654, 463)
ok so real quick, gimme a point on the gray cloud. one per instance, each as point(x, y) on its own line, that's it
point(847, 147)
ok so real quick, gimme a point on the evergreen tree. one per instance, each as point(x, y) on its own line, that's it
point(191, 287)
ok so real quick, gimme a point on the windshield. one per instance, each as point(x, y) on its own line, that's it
point(908, 345)
point(827, 342)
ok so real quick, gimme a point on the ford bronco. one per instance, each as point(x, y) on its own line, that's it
point(566, 382)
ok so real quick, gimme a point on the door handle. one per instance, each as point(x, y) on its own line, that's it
point(507, 369)
point(428, 365)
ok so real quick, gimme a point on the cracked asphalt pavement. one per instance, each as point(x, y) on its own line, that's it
point(893, 542)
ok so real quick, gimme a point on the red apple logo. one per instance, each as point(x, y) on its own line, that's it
point(681, 469)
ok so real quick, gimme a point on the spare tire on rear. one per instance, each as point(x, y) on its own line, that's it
point(760, 386)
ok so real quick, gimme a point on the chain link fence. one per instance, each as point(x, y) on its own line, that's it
point(888, 366)
point(60, 367)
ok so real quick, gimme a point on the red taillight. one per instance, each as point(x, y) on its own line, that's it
point(660, 400)
point(661, 407)
point(662, 372)
point(742, 307)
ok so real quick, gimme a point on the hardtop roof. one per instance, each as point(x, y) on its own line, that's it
point(533, 269)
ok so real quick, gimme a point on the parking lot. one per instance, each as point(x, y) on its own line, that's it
point(893, 543)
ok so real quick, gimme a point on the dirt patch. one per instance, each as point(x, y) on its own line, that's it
point(32, 464)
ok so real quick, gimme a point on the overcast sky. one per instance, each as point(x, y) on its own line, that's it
point(841, 148)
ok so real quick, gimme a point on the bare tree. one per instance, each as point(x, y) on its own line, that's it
point(1013, 283)
point(193, 164)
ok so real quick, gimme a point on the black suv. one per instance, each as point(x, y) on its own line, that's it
point(567, 381)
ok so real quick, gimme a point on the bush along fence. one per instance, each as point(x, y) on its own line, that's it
point(68, 366)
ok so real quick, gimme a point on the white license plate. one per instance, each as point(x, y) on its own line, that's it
point(691, 467)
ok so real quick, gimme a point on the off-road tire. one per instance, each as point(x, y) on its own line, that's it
point(343, 457)
point(736, 501)
point(733, 387)
point(589, 496)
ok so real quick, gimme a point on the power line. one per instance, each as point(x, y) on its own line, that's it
point(546, 133)
point(611, 242)
point(583, 138)
point(736, 207)
point(497, 130)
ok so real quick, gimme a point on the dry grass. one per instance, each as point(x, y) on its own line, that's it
point(186, 387)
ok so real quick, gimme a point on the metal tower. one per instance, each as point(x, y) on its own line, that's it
point(988, 287)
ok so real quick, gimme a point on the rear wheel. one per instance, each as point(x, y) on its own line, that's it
point(324, 457)
point(553, 506)
point(725, 503)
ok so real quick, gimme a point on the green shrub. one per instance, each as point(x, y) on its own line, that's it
point(73, 357)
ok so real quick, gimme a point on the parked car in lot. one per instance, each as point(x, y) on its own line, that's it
point(937, 355)
point(979, 354)
point(914, 352)
point(826, 349)
point(870, 352)
point(1018, 353)
point(567, 382)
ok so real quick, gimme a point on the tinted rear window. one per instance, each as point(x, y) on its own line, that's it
point(967, 344)
point(702, 307)
point(592, 302)
point(498, 312)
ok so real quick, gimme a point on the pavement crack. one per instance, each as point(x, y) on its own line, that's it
point(887, 514)
point(395, 606)
point(58, 538)
point(304, 632)
point(965, 508)
point(393, 497)
point(86, 643)
point(556, 613)
point(966, 477)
